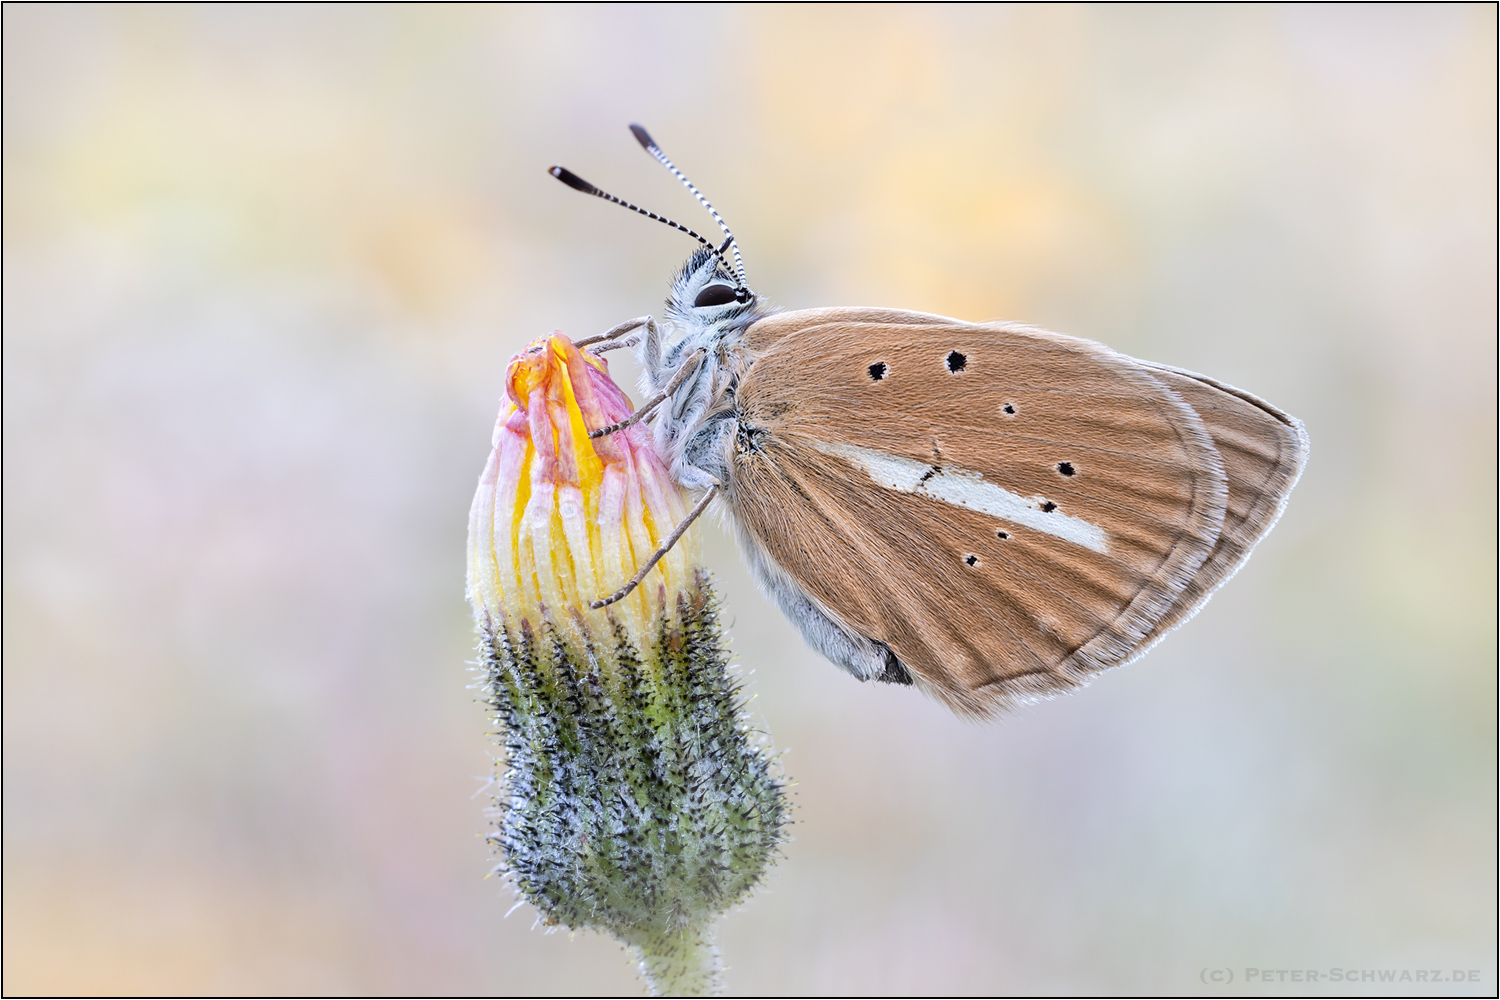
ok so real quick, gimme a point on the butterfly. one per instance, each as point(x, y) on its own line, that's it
point(991, 512)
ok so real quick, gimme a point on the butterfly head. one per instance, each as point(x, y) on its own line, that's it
point(707, 293)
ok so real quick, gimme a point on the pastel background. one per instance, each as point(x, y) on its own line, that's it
point(263, 268)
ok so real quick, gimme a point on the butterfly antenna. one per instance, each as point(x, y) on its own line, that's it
point(577, 183)
point(644, 138)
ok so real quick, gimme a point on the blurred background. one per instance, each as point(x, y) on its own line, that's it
point(263, 269)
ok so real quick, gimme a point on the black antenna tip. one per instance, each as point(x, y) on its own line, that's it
point(642, 136)
point(572, 180)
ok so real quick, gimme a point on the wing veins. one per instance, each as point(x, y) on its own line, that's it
point(913, 599)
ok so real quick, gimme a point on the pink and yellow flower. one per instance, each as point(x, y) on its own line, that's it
point(560, 520)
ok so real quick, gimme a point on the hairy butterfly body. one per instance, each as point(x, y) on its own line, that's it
point(992, 512)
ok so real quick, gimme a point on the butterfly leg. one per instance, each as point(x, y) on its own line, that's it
point(651, 353)
point(666, 547)
point(688, 367)
point(615, 336)
point(702, 455)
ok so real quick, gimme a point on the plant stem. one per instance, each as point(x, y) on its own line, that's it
point(683, 963)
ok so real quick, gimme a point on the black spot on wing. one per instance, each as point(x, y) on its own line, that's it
point(1009, 409)
point(1066, 468)
point(971, 560)
point(957, 361)
point(878, 371)
point(1048, 506)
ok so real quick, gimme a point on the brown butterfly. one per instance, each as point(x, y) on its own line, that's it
point(991, 511)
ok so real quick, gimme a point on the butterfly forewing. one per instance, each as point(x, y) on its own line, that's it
point(1016, 510)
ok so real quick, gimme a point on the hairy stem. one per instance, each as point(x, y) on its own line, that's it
point(682, 963)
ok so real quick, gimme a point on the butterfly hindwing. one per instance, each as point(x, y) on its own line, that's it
point(1264, 451)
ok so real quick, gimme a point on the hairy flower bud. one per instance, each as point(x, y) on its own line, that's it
point(634, 799)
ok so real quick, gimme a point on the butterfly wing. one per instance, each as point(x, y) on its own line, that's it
point(1264, 451)
point(999, 511)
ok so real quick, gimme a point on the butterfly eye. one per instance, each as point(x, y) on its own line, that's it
point(715, 295)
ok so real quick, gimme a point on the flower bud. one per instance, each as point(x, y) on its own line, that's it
point(634, 798)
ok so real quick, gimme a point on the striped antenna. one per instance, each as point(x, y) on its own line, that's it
point(644, 138)
point(577, 183)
